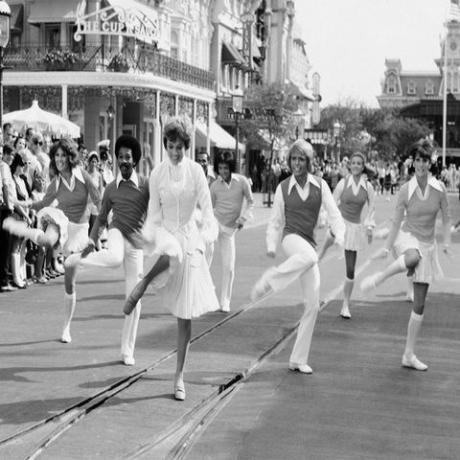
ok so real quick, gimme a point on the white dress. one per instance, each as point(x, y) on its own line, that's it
point(170, 228)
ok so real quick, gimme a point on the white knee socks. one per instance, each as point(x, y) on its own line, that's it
point(413, 330)
point(70, 301)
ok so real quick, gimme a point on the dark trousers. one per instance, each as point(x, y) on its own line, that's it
point(5, 248)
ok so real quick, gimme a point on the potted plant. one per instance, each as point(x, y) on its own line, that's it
point(118, 63)
point(58, 59)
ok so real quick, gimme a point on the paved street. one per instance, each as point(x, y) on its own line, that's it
point(77, 401)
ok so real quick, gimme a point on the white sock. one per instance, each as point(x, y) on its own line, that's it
point(70, 301)
point(347, 290)
point(413, 330)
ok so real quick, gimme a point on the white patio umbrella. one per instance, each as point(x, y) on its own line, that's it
point(41, 120)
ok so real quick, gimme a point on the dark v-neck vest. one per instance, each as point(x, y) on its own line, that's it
point(301, 216)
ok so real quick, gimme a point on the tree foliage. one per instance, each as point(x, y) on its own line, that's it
point(270, 109)
point(391, 134)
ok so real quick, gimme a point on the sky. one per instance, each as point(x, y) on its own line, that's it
point(348, 41)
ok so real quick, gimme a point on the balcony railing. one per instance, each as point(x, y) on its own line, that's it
point(141, 59)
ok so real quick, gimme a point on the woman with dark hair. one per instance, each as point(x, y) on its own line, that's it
point(127, 197)
point(412, 239)
point(177, 186)
point(294, 216)
point(22, 202)
point(65, 225)
point(233, 203)
point(351, 195)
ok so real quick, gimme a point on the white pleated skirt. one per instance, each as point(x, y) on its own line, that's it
point(187, 288)
point(72, 237)
point(428, 269)
point(354, 236)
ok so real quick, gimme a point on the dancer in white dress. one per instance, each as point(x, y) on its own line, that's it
point(412, 238)
point(177, 186)
point(294, 216)
point(351, 195)
point(66, 224)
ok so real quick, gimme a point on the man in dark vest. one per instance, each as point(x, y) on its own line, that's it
point(295, 211)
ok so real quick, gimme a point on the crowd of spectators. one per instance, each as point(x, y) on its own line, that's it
point(25, 175)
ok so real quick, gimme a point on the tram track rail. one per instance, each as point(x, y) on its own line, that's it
point(189, 425)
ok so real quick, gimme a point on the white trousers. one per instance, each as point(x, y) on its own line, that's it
point(226, 246)
point(121, 251)
point(302, 264)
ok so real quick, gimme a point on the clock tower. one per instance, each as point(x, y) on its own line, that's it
point(451, 48)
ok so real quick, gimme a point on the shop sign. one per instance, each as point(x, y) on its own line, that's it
point(116, 20)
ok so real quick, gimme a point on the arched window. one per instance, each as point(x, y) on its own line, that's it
point(411, 88)
point(429, 87)
point(392, 84)
point(174, 46)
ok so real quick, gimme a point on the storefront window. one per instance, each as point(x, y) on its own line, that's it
point(52, 35)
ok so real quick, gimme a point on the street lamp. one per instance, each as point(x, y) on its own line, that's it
point(237, 106)
point(5, 15)
point(336, 132)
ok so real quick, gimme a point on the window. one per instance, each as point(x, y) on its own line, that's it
point(174, 46)
point(411, 88)
point(391, 84)
point(52, 35)
point(429, 87)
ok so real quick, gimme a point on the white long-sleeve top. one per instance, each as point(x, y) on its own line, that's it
point(175, 192)
point(277, 217)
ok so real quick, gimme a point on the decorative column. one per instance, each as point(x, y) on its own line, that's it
point(193, 143)
point(158, 140)
point(64, 102)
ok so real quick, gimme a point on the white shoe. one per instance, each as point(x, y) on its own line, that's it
point(225, 308)
point(128, 360)
point(413, 363)
point(65, 337)
point(260, 290)
point(369, 282)
point(72, 260)
point(345, 312)
point(303, 368)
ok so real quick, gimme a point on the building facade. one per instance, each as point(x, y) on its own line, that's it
point(419, 94)
point(112, 66)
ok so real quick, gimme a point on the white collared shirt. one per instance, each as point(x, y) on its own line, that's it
point(75, 174)
point(431, 182)
point(277, 217)
point(133, 178)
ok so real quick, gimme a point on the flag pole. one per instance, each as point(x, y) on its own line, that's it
point(444, 103)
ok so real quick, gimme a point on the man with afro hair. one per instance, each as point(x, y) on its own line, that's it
point(127, 197)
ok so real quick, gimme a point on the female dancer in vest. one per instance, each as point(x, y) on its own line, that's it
point(65, 225)
point(412, 238)
point(177, 185)
point(351, 194)
point(295, 211)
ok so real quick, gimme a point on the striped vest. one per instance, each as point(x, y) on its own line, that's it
point(301, 216)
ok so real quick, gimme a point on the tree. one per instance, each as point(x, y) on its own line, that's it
point(391, 133)
point(269, 110)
